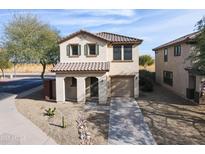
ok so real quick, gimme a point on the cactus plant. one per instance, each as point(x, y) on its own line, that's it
point(63, 122)
point(50, 112)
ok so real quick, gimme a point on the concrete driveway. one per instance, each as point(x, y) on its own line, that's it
point(15, 128)
point(126, 124)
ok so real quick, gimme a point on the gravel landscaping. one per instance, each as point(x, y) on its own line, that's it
point(33, 107)
point(172, 119)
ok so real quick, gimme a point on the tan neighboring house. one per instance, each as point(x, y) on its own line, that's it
point(97, 65)
point(174, 71)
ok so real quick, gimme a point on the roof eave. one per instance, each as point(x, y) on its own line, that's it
point(65, 71)
point(128, 42)
point(166, 46)
point(77, 33)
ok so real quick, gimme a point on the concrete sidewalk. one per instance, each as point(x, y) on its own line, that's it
point(15, 128)
point(126, 124)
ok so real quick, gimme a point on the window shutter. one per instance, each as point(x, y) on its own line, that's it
point(97, 49)
point(86, 49)
point(79, 50)
point(68, 50)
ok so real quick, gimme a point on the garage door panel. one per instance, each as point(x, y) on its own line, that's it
point(122, 86)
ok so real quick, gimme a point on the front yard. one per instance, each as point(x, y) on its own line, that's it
point(172, 119)
point(33, 107)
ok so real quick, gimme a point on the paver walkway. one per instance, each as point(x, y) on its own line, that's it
point(126, 125)
point(15, 128)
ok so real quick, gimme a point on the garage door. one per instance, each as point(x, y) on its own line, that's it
point(122, 86)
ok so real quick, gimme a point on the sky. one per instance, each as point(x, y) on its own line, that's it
point(155, 27)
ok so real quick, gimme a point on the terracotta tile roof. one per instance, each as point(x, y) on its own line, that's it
point(81, 66)
point(178, 40)
point(108, 37)
point(116, 38)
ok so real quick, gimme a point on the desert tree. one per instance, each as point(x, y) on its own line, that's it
point(198, 55)
point(146, 60)
point(29, 40)
point(4, 62)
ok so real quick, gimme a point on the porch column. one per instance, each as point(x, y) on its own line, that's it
point(136, 86)
point(102, 89)
point(81, 94)
point(60, 89)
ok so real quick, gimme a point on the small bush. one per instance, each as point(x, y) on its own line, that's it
point(146, 80)
point(50, 112)
point(148, 85)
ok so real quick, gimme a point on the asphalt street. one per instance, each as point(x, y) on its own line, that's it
point(19, 85)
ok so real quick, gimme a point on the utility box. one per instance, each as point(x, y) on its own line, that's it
point(49, 89)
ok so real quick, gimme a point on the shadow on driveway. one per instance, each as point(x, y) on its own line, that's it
point(172, 119)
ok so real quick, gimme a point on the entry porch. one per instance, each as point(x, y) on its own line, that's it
point(81, 87)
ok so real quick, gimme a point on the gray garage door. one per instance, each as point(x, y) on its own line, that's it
point(122, 86)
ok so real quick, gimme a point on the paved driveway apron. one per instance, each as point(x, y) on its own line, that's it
point(15, 128)
point(126, 125)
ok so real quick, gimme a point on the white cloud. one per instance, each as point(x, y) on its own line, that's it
point(186, 19)
point(92, 21)
point(123, 12)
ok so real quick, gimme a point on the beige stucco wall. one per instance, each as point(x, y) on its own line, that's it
point(83, 39)
point(105, 54)
point(175, 64)
point(87, 83)
point(124, 67)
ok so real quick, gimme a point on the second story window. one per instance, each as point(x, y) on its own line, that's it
point(177, 50)
point(127, 52)
point(165, 55)
point(91, 49)
point(117, 54)
point(73, 50)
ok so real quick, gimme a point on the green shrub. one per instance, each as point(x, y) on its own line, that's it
point(147, 74)
point(148, 85)
point(50, 112)
point(146, 80)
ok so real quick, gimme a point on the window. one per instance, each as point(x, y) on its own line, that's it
point(165, 55)
point(177, 50)
point(73, 82)
point(117, 55)
point(168, 77)
point(127, 52)
point(92, 49)
point(73, 50)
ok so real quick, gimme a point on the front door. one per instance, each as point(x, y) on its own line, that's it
point(94, 87)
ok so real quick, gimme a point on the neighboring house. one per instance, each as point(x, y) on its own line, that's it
point(174, 69)
point(97, 65)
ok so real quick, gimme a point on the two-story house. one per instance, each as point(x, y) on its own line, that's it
point(174, 69)
point(97, 65)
